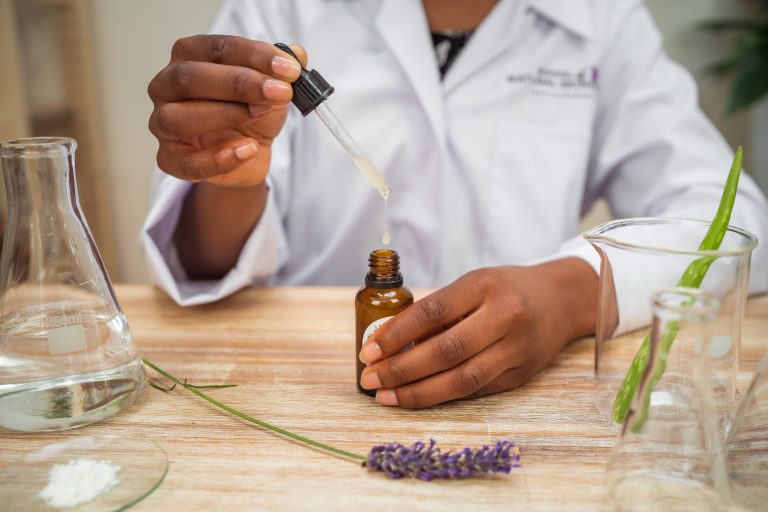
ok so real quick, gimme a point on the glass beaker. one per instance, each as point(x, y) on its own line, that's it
point(641, 256)
point(669, 455)
point(746, 444)
point(67, 357)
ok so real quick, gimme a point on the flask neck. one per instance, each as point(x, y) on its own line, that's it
point(39, 175)
point(384, 270)
point(46, 239)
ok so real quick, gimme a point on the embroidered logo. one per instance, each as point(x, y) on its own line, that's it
point(559, 82)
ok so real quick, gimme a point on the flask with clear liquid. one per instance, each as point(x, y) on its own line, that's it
point(67, 357)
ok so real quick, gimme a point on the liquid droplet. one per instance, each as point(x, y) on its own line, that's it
point(385, 238)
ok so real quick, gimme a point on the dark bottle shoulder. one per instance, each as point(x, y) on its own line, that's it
point(367, 294)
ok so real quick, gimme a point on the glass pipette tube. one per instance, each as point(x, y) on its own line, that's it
point(361, 160)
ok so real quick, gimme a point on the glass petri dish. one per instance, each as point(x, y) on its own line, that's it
point(140, 465)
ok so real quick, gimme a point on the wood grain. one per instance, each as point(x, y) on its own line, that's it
point(291, 352)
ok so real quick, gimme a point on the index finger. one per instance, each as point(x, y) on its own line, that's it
point(423, 318)
point(235, 51)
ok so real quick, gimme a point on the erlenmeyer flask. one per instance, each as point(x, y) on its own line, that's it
point(669, 455)
point(746, 444)
point(67, 357)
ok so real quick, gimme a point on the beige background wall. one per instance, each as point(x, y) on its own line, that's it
point(133, 42)
point(134, 38)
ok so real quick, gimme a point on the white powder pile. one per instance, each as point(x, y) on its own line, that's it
point(78, 481)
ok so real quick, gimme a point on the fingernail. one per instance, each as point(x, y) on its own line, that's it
point(370, 380)
point(246, 151)
point(276, 90)
point(386, 397)
point(288, 68)
point(258, 110)
point(370, 352)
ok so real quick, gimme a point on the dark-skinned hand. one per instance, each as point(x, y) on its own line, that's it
point(218, 105)
point(491, 330)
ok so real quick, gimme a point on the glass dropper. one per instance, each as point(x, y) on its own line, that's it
point(361, 160)
point(309, 94)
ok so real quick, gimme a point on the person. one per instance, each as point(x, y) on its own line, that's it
point(496, 134)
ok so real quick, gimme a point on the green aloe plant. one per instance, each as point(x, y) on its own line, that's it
point(692, 278)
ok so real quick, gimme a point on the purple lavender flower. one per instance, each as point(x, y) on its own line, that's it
point(427, 462)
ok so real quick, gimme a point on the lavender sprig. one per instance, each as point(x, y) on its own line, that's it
point(427, 462)
point(395, 460)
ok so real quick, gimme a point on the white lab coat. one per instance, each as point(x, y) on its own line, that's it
point(550, 106)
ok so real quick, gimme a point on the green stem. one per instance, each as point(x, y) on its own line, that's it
point(273, 428)
point(196, 386)
point(691, 278)
point(210, 386)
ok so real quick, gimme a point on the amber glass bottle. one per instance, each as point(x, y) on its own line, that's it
point(382, 297)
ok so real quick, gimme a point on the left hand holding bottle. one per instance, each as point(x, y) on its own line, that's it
point(491, 330)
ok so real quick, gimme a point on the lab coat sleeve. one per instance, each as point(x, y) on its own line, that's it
point(263, 253)
point(654, 152)
point(265, 250)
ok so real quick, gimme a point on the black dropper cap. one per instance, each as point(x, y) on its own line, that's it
point(310, 89)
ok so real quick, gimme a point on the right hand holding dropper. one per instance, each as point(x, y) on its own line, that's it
point(218, 105)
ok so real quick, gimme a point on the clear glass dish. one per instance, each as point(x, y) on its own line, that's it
point(142, 468)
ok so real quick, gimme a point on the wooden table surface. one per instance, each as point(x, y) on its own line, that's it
point(291, 352)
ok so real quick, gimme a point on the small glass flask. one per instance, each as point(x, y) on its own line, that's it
point(382, 297)
point(67, 357)
point(669, 454)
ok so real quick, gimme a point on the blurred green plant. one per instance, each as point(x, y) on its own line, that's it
point(748, 59)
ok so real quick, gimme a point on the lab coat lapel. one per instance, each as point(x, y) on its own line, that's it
point(496, 35)
point(403, 26)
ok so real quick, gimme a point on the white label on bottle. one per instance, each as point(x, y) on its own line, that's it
point(373, 327)
point(720, 346)
point(63, 340)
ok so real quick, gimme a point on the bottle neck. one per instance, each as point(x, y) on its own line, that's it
point(384, 270)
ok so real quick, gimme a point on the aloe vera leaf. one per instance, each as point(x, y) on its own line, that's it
point(664, 346)
point(692, 277)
